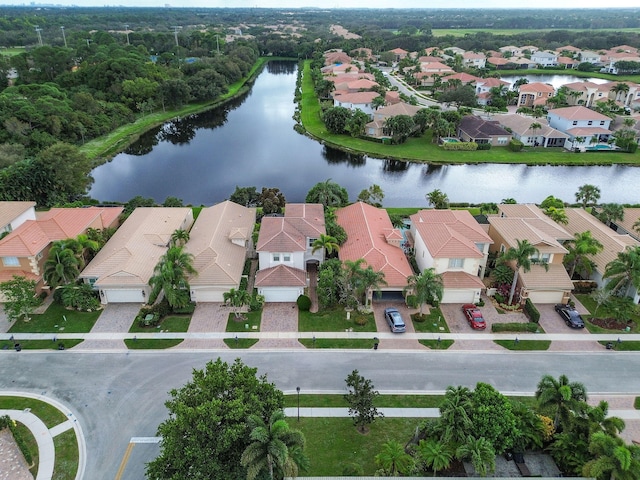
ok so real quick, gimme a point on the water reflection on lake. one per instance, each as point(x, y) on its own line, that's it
point(251, 142)
point(556, 81)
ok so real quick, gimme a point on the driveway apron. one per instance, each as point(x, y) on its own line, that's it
point(279, 317)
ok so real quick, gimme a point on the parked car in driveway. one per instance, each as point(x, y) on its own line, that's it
point(474, 316)
point(570, 316)
point(394, 320)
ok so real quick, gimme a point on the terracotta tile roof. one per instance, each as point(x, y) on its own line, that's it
point(428, 59)
point(461, 280)
point(514, 229)
point(555, 278)
point(581, 221)
point(290, 233)
point(463, 77)
point(450, 233)
point(521, 125)
point(281, 276)
point(217, 242)
point(578, 113)
point(588, 131)
point(349, 77)
point(33, 236)
point(367, 230)
point(435, 67)
point(473, 56)
point(536, 87)
point(130, 256)
point(399, 51)
point(631, 216)
point(9, 211)
point(535, 217)
point(398, 109)
point(357, 98)
point(6, 275)
point(498, 60)
point(491, 82)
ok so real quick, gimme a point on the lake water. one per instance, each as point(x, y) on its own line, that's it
point(556, 81)
point(251, 142)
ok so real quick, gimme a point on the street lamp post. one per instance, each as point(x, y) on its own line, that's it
point(298, 390)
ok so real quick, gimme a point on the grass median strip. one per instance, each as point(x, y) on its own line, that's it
point(67, 456)
point(623, 346)
point(524, 344)
point(67, 343)
point(151, 343)
point(240, 342)
point(361, 343)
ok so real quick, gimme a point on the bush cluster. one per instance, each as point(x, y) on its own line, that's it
point(531, 311)
point(484, 146)
point(584, 286)
point(461, 146)
point(515, 145)
point(515, 327)
point(304, 303)
point(158, 310)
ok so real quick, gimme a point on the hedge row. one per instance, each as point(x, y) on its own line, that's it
point(462, 146)
point(515, 327)
point(6, 422)
point(531, 311)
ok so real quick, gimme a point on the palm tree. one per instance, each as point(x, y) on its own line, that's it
point(521, 254)
point(624, 271)
point(480, 452)
point(587, 195)
point(63, 264)
point(438, 199)
point(636, 226)
point(271, 447)
point(488, 208)
point(535, 126)
point(88, 248)
point(435, 455)
point(613, 459)
point(325, 242)
point(237, 298)
point(361, 281)
point(611, 212)
point(619, 88)
point(508, 201)
point(393, 459)
point(455, 418)
point(179, 238)
point(427, 286)
point(580, 248)
point(170, 277)
point(561, 395)
point(558, 215)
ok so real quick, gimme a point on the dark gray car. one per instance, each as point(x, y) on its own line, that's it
point(570, 316)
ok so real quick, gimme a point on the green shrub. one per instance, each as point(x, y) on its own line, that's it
point(257, 302)
point(584, 286)
point(515, 327)
point(80, 297)
point(515, 145)
point(460, 146)
point(480, 303)
point(484, 146)
point(186, 310)
point(531, 311)
point(632, 147)
point(499, 298)
point(412, 301)
point(304, 303)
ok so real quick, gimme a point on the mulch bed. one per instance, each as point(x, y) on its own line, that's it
point(609, 323)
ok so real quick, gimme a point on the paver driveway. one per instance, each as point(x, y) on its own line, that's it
point(279, 317)
point(398, 341)
point(207, 317)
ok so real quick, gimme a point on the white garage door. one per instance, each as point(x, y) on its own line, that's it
point(460, 295)
point(546, 297)
point(207, 295)
point(280, 294)
point(124, 296)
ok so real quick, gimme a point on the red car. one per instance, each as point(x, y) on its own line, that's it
point(474, 316)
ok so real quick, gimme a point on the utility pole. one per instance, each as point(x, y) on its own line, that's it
point(64, 37)
point(217, 44)
point(126, 31)
point(88, 42)
point(175, 34)
point(38, 30)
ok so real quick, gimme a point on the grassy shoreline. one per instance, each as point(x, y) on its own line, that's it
point(422, 150)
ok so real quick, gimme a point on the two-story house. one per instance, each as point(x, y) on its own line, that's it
point(14, 214)
point(534, 94)
point(122, 268)
point(472, 59)
point(547, 281)
point(285, 251)
point(356, 101)
point(25, 250)
point(584, 126)
point(372, 237)
point(545, 59)
point(220, 241)
point(456, 246)
point(541, 135)
point(375, 128)
point(586, 93)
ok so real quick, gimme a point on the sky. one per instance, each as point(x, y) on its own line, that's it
point(581, 4)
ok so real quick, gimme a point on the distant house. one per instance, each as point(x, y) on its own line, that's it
point(122, 269)
point(584, 126)
point(14, 214)
point(375, 128)
point(587, 56)
point(586, 93)
point(520, 128)
point(284, 249)
point(355, 85)
point(528, 222)
point(454, 244)
point(626, 225)
point(472, 59)
point(399, 53)
point(484, 86)
point(475, 129)
point(372, 237)
point(220, 241)
point(336, 58)
point(511, 50)
point(568, 62)
point(544, 58)
point(25, 250)
point(534, 94)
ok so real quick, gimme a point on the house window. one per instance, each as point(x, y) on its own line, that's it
point(502, 141)
point(276, 257)
point(575, 122)
point(10, 261)
point(456, 262)
point(502, 248)
point(542, 258)
point(590, 122)
point(601, 122)
point(39, 256)
point(286, 257)
point(480, 247)
point(310, 242)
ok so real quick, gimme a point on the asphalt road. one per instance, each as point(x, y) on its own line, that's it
point(117, 396)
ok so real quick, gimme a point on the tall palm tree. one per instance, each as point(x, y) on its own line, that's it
point(613, 459)
point(271, 448)
point(611, 212)
point(520, 254)
point(438, 199)
point(62, 266)
point(87, 247)
point(535, 126)
point(580, 248)
point(619, 88)
point(170, 276)
point(588, 195)
point(179, 238)
point(636, 225)
point(361, 281)
point(237, 298)
point(427, 286)
point(558, 215)
point(561, 395)
point(624, 271)
point(325, 242)
point(393, 459)
point(436, 455)
point(481, 454)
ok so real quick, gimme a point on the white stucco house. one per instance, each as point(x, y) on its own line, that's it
point(583, 125)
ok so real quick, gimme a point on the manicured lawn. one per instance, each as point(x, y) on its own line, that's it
point(524, 344)
point(240, 342)
point(603, 312)
point(333, 443)
point(67, 457)
point(49, 414)
point(334, 320)
point(624, 346)
point(248, 322)
point(11, 51)
point(175, 323)
point(403, 212)
point(57, 319)
point(151, 343)
point(40, 344)
point(433, 323)
point(636, 403)
point(437, 345)
point(347, 343)
point(30, 443)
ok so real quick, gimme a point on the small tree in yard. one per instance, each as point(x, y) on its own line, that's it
point(360, 400)
point(20, 298)
point(237, 299)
